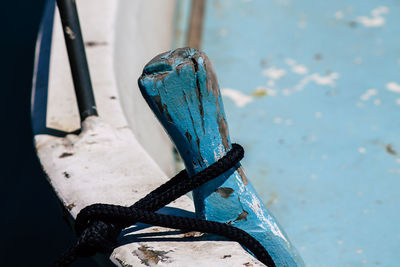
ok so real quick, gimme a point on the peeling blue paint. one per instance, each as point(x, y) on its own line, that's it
point(181, 88)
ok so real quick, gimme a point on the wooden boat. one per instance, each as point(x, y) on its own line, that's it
point(124, 153)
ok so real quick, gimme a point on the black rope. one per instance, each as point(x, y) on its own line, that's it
point(99, 225)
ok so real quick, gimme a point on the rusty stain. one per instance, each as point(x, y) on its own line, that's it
point(352, 24)
point(263, 63)
point(71, 206)
point(318, 57)
point(390, 150)
point(179, 67)
point(225, 192)
point(66, 174)
point(153, 256)
point(65, 154)
point(211, 81)
point(223, 130)
point(242, 216)
point(243, 176)
point(247, 264)
point(273, 199)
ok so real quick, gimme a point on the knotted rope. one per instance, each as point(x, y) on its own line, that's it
point(99, 225)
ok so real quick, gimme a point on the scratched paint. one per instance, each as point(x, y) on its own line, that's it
point(181, 88)
point(327, 175)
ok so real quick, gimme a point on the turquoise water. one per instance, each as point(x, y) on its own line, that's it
point(312, 91)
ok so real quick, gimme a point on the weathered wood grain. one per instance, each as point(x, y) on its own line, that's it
point(181, 88)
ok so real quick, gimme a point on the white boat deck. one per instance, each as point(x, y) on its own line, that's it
point(124, 154)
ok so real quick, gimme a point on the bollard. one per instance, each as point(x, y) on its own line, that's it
point(181, 88)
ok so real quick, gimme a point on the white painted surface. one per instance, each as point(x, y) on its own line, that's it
point(118, 159)
point(143, 30)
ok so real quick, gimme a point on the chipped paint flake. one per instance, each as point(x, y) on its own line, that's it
point(328, 80)
point(70, 33)
point(225, 192)
point(394, 87)
point(368, 94)
point(300, 69)
point(376, 19)
point(238, 97)
point(380, 11)
point(274, 73)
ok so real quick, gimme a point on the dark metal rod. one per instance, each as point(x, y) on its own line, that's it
point(77, 58)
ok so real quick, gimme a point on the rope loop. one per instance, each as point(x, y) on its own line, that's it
point(99, 225)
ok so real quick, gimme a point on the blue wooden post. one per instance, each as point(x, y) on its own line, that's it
point(181, 88)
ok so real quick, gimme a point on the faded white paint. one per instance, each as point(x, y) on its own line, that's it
point(300, 69)
point(394, 87)
point(376, 19)
point(118, 159)
point(274, 73)
point(236, 96)
point(368, 94)
point(328, 80)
